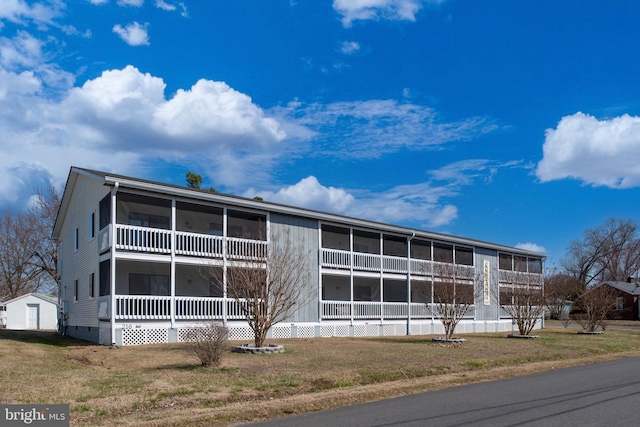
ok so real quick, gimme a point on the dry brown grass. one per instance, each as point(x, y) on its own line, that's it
point(162, 385)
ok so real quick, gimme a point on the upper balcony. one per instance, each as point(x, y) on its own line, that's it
point(340, 259)
point(152, 225)
point(157, 241)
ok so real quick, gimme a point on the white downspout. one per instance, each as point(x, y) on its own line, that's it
point(112, 274)
point(413, 234)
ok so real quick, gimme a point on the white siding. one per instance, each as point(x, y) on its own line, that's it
point(78, 265)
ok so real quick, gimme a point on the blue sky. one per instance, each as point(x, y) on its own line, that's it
point(515, 122)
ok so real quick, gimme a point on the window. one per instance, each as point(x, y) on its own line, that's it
point(520, 263)
point(335, 237)
point(366, 241)
point(92, 226)
point(394, 246)
point(198, 281)
point(464, 256)
point(421, 249)
point(75, 290)
point(105, 211)
point(442, 252)
point(148, 284)
point(143, 211)
point(92, 280)
point(76, 241)
point(246, 225)
point(336, 288)
point(619, 303)
point(535, 265)
point(199, 219)
point(105, 278)
point(421, 291)
point(394, 290)
point(506, 262)
point(366, 289)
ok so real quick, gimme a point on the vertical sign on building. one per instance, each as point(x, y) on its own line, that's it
point(487, 287)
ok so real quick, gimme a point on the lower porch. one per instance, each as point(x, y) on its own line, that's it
point(153, 332)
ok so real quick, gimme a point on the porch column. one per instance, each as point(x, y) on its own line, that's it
point(409, 283)
point(112, 265)
point(351, 273)
point(224, 267)
point(320, 306)
point(172, 274)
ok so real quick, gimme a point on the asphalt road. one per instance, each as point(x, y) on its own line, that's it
point(601, 394)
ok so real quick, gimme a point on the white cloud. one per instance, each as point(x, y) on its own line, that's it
point(21, 12)
point(309, 193)
point(134, 34)
point(465, 172)
point(132, 3)
point(364, 10)
point(419, 203)
point(161, 4)
point(97, 2)
point(596, 152)
point(370, 129)
point(170, 7)
point(118, 120)
point(349, 48)
point(531, 247)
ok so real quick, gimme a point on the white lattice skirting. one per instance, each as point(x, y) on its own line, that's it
point(156, 334)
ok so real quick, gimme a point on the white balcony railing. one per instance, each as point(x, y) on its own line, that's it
point(143, 239)
point(341, 310)
point(156, 240)
point(149, 307)
point(334, 258)
point(394, 264)
point(369, 262)
point(143, 307)
point(520, 278)
point(200, 245)
point(421, 267)
point(250, 250)
point(199, 308)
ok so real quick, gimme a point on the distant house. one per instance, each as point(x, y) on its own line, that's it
point(30, 311)
point(627, 299)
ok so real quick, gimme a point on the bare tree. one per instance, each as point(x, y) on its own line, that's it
point(43, 213)
point(18, 274)
point(523, 300)
point(558, 289)
point(610, 251)
point(453, 295)
point(595, 305)
point(267, 292)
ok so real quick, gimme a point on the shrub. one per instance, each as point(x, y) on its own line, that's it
point(208, 343)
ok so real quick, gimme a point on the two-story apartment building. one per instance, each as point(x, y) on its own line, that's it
point(137, 260)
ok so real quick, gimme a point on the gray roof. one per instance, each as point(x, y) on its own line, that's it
point(122, 181)
point(629, 287)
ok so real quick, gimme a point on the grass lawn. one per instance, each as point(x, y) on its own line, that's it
point(163, 385)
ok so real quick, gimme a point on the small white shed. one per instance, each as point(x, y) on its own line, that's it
point(30, 311)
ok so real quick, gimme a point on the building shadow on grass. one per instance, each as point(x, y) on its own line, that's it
point(51, 338)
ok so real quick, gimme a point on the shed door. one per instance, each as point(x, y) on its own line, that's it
point(33, 316)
